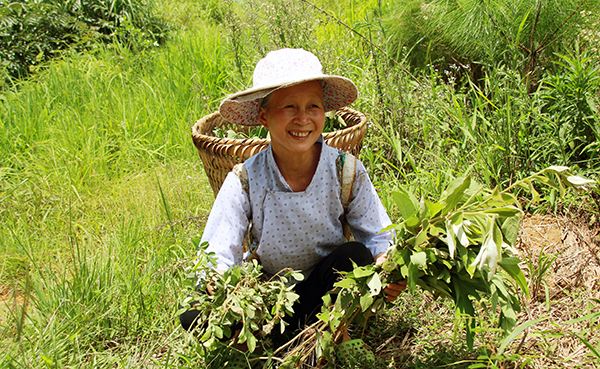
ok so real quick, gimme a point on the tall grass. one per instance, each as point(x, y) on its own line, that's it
point(90, 271)
point(94, 118)
point(102, 198)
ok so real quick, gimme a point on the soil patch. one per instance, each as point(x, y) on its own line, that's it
point(574, 248)
point(563, 271)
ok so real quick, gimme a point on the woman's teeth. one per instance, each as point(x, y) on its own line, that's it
point(300, 134)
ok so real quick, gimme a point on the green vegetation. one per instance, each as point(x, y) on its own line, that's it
point(35, 31)
point(243, 307)
point(102, 196)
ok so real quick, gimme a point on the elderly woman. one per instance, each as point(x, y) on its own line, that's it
point(290, 193)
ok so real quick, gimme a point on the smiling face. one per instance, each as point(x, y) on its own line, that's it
point(295, 117)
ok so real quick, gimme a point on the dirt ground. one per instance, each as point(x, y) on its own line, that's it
point(563, 269)
point(575, 245)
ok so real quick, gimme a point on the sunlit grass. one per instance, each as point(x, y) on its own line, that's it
point(102, 195)
point(92, 148)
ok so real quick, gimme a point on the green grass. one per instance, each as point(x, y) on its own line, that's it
point(113, 272)
point(103, 198)
point(94, 150)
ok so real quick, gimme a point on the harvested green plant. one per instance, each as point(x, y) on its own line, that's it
point(243, 306)
point(460, 246)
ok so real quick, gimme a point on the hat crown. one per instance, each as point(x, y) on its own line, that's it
point(285, 66)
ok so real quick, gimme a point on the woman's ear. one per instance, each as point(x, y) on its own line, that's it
point(262, 117)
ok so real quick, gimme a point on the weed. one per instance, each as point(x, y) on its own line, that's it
point(538, 272)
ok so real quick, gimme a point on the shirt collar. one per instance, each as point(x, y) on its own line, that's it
point(281, 182)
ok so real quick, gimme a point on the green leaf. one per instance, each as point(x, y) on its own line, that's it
point(505, 211)
point(412, 222)
point(406, 202)
point(470, 266)
point(511, 266)
point(412, 276)
point(489, 251)
point(346, 283)
point(595, 351)
point(455, 192)
point(465, 306)
point(366, 301)
point(436, 231)
point(535, 196)
point(433, 208)
point(419, 259)
point(297, 276)
point(404, 271)
point(589, 317)
point(456, 232)
point(361, 272)
point(510, 229)
point(218, 331)
point(457, 225)
point(421, 239)
point(497, 281)
point(516, 332)
point(251, 342)
point(517, 40)
point(450, 239)
point(374, 284)
point(434, 284)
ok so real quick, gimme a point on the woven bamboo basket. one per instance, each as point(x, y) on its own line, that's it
point(219, 155)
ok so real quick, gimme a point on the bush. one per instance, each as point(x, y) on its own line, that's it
point(33, 32)
point(570, 100)
point(522, 34)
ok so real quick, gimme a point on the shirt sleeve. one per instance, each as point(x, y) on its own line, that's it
point(227, 223)
point(366, 214)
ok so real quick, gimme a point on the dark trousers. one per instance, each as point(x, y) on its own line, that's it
point(314, 287)
point(322, 278)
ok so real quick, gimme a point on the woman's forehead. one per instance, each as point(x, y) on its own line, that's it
point(306, 89)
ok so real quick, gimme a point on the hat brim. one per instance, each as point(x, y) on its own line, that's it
point(243, 107)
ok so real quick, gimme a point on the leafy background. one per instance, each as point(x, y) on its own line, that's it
point(102, 196)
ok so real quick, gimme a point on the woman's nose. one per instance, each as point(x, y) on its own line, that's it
point(303, 116)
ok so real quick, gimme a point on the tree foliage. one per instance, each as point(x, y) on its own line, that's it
point(523, 34)
point(32, 32)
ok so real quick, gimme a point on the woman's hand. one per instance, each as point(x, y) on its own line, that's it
point(392, 290)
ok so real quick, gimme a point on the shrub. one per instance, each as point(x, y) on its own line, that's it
point(522, 34)
point(32, 32)
point(570, 100)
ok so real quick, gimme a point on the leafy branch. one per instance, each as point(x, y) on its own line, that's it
point(459, 247)
point(243, 306)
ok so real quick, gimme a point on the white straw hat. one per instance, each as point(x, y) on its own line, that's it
point(283, 68)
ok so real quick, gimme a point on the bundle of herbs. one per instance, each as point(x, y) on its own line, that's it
point(240, 306)
point(459, 247)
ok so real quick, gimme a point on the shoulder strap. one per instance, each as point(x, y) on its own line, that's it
point(347, 177)
point(247, 246)
point(346, 167)
point(240, 171)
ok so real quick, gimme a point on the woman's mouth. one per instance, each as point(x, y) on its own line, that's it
point(299, 134)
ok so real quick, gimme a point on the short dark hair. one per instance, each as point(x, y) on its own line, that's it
point(264, 101)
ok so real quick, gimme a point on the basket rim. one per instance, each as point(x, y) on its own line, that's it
point(201, 137)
